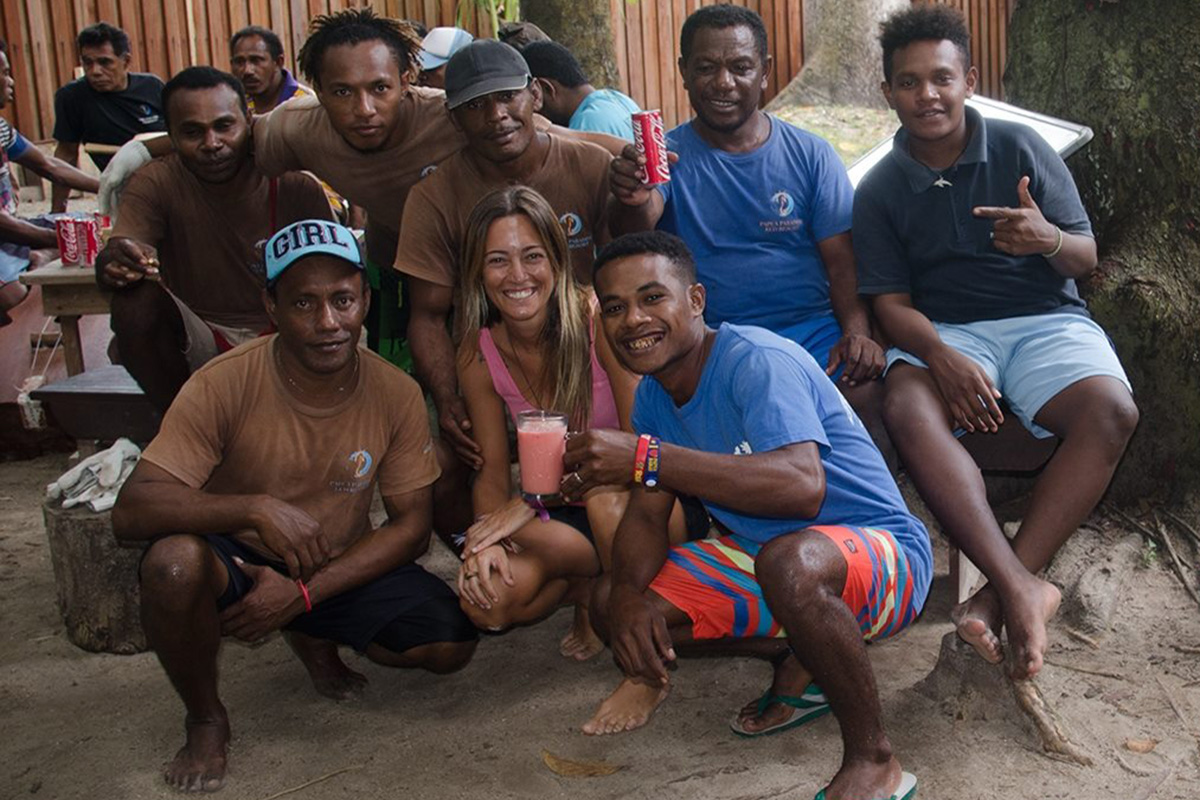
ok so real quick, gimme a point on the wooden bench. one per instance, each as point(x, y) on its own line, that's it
point(69, 293)
point(102, 404)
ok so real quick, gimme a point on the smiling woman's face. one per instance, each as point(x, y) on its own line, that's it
point(517, 275)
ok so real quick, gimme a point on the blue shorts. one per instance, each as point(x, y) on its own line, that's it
point(817, 334)
point(14, 258)
point(1030, 359)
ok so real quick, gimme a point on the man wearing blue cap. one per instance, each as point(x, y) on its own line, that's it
point(436, 49)
point(255, 497)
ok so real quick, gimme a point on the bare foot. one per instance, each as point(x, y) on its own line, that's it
point(627, 708)
point(199, 766)
point(865, 777)
point(1026, 613)
point(791, 679)
point(330, 675)
point(979, 621)
point(581, 642)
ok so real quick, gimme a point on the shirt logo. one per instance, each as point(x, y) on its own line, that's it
point(743, 449)
point(362, 461)
point(571, 222)
point(428, 170)
point(783, 203)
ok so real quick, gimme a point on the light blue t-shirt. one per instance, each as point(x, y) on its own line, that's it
point(605, 111)
point(759, 392)
point(753, 220)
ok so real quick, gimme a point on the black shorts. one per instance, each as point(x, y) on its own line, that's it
point(694, 515)
point(402, 609)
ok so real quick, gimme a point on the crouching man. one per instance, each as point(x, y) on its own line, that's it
point(255, 497)
point(821, 551)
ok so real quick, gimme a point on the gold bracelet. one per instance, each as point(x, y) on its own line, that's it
point(1057, 247)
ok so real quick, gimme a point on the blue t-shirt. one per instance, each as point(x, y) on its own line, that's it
point(753, 221)
point(760, 392)
point(605, 111)
point(914, 232)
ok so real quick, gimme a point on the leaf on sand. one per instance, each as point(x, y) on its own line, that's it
point(577, 769)
point(1140, 745)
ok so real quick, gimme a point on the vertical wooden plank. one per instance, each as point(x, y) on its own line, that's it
point(176, 36)
point(299, 24)
point(62, 38)
point(795, 9)
point(652, 57)
point(155, 38)
point(106, 11)
point(664, 33)
point(131, 22)
point(237, 18)
point(637, 55)
point(680, 102)
point(44, 76)
point(218, 33)
point(779, 46)
point(260, 13)
point(620, 43)
point(23, 115)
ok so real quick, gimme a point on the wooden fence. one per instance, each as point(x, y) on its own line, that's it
point(168, 35)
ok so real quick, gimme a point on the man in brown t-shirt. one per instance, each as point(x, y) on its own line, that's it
point(192, 224)
point(492, 99)
point(255, 497)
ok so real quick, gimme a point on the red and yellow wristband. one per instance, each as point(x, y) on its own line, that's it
point(646, 460)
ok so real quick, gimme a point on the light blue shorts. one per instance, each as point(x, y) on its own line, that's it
point(817, 334)
point(1030, 359)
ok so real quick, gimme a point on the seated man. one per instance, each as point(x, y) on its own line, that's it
point(25, 243)
point(249, 534)
point(492, 99)
point(203, 212)
point(568, 99)
point(763, 204)
point(969, 238)
point(821, 549)
point(109, 105)
point(437, 46)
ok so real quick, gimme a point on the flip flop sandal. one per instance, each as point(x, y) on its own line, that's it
point(809, 706)
point(906, 791)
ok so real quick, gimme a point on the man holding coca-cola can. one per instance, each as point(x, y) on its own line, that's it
point(764, 205)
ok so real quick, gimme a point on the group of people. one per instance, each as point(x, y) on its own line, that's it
point(745, 354)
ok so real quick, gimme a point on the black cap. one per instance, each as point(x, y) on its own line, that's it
point(482, 67)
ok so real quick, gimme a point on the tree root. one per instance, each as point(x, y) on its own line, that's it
point(1054, 740)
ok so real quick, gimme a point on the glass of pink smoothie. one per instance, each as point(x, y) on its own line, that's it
point(541, 442)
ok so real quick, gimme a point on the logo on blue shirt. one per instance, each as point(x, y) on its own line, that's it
point(783, 202)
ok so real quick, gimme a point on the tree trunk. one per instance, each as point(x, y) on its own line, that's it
point(584, 28)
point(844, 65)
point(1129, 70)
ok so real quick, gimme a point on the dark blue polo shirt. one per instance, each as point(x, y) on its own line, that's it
point(914, 232)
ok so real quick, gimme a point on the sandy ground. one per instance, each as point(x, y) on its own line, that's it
point(81, 725)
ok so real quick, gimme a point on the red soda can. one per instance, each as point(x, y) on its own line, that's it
point(68, 240)
point(88, 233)
point(103, 220)
point(650, 139)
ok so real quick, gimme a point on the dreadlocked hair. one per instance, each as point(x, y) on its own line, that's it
point(355, 26)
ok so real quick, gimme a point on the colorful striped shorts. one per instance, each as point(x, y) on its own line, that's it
point(713, 582)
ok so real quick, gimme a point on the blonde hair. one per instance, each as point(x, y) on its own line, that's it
point(566, 336)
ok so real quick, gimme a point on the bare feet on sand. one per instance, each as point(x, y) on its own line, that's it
point(627, 708)
point(865, 777)
point(199, 766)
point(790, 681)
point(1024, 615)
point(581, 642)
point(330, 675)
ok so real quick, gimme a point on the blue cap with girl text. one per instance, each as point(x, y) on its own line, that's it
point(310, 237)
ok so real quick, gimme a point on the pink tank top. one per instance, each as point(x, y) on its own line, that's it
point(604, 407)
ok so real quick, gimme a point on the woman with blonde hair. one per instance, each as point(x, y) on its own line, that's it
point(530, 341)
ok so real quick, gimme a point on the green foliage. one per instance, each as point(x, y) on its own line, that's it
point(496, 10)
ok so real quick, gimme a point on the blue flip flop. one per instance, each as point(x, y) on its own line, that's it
point(906, 791)
point(809, 706)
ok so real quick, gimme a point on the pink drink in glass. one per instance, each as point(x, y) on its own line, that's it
point(541, 442)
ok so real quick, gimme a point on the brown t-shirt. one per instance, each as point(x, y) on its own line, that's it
point(573, 179)
point(235, 428)
point(209, 236)
point(299, 135)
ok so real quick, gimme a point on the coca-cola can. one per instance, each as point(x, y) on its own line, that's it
point(103, 220)
point(650, 139)
point(87, 230)
point(68, 240)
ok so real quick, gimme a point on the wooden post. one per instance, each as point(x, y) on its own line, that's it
point(96, 580)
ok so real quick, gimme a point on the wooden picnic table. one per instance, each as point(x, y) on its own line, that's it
point(68, 293)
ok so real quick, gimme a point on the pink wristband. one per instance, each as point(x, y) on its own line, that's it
point(304, 592)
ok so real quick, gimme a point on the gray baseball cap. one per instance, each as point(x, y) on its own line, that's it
point(482, 67)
